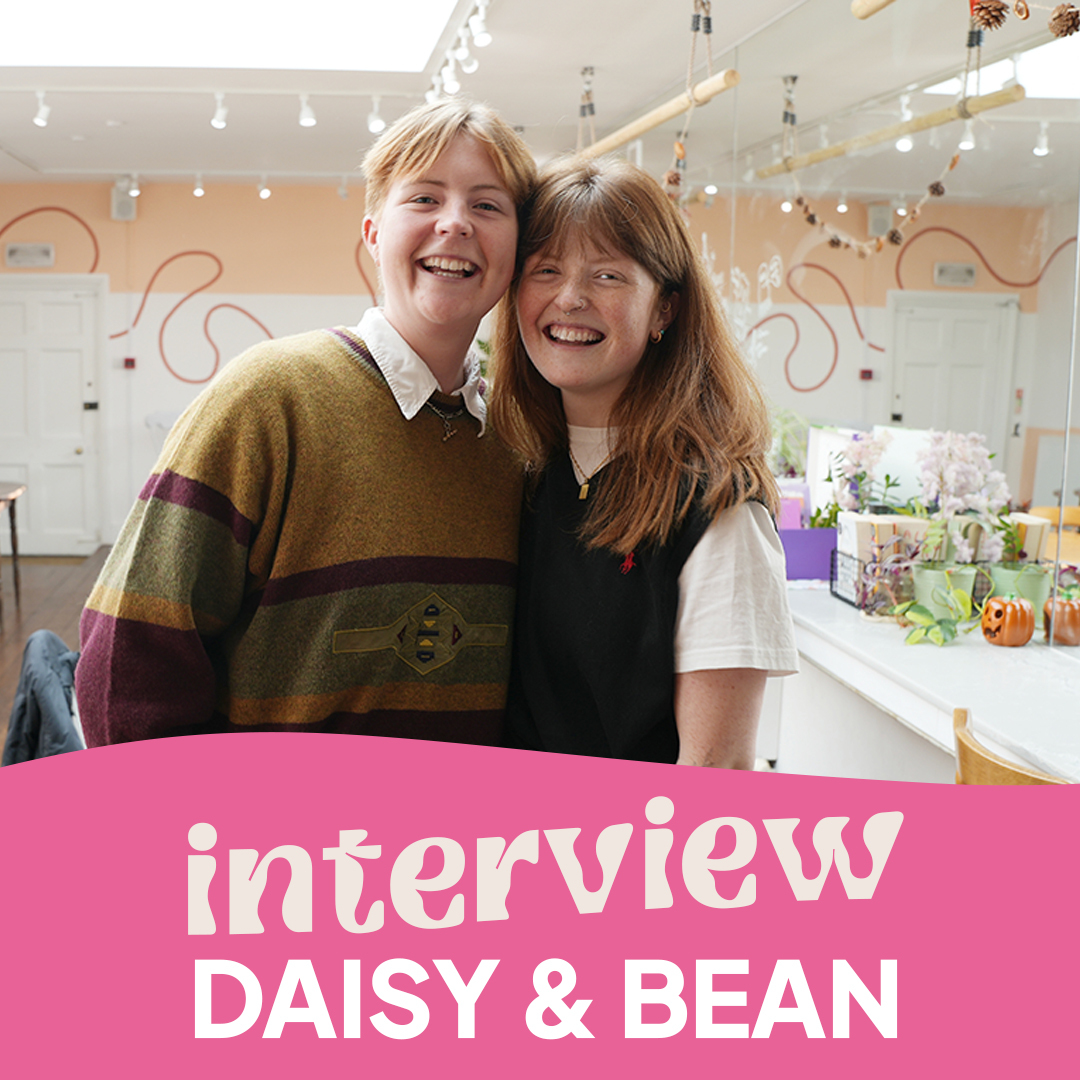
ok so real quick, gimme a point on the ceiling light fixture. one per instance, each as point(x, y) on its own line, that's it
point(842, 206)
point(41, 117)
point(198, 190)
point(468, 62)
point(264, 191)
point(133, 188)
point(901, 206)
point(1042, 144)
point(786, 206)
point(967, 140)
point(375, 123)
point(905, 143)
point(449, 76)
point(711, 189)
point(307, 113)
point(220, 113)
point(478, 26)
point(435, 92)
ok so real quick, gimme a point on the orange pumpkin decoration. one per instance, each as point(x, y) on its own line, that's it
point(1066, 621)
point(1006, 621)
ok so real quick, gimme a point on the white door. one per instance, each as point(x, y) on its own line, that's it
point(952, 359)
point(52, 341)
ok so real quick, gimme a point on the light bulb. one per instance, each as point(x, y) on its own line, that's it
point(133, 187)
point(711, 189)
point(967, 140)
point(307, 113)
point(264, 191)
point(904, 144)
point(198, 190)
point(480, 36)
point(841, 206)
point(786, 206)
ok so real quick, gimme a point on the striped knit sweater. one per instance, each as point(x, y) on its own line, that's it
point(304, 558)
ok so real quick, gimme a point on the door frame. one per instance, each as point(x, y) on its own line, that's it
point(97, 288)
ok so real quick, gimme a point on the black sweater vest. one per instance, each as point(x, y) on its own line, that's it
point(594, 638)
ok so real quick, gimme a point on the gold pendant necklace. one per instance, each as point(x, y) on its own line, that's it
point(583, 492)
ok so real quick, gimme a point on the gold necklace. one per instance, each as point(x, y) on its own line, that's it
point(584, 492)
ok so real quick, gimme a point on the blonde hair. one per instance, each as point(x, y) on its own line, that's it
point(692, 422)
point(411, 144)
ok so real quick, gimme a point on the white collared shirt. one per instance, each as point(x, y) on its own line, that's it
point(410, 379)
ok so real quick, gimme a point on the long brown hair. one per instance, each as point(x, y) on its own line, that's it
point(692, 421)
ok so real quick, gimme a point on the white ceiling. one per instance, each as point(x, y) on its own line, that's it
point(107, 122)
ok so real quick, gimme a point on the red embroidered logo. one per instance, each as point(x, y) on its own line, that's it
point(627, 564)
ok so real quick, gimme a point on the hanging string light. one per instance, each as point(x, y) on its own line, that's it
point(586, 110)
point(700, 22)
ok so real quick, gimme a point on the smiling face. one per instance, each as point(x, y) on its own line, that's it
point(444, 243)
point(585, 317)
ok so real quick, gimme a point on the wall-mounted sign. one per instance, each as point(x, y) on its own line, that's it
point(26, 256)
point(954, 275)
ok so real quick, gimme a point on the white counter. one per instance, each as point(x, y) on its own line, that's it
point(1026, 700)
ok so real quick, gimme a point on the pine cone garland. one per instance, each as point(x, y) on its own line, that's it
point(1064, 21)
point(835, 242)
point(811, 219)
point(896, 237)
point(990, 13)
point(672, 178)
point(937, 189)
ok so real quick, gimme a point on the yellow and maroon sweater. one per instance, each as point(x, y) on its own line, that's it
point(305, 558)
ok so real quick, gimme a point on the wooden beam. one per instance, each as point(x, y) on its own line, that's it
point(973, 105)
point(704, 91)
point(863, 9)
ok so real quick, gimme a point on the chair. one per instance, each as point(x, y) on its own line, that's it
point(1071, 515)
point(977, 765)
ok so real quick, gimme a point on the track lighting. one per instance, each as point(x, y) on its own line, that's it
point(133, 188)
point(41, 117)
point(904, 144)
point(264, 191)
point(307, 113)
point(198, 190)
point(435, 92)
point(461, 53)
point(786, 206)
point(220, 112)
point(842, 206)
point(1042, 144)
point(900, 206)
point(478, 26)
point(967, 140)
point(711, 189)
point(375, 123)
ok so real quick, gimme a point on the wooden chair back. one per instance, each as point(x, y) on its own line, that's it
point(1071, 515)
point(977, 765)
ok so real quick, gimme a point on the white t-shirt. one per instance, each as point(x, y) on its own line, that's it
point(733, 608)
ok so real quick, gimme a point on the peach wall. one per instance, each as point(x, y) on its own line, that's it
point(1011, 239)
point(301, 241)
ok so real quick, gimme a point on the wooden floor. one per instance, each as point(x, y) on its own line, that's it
point(54, 591)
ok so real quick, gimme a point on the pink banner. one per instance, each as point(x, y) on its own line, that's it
point(281, 905)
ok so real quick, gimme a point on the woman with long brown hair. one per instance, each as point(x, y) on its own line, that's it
point(652, 602)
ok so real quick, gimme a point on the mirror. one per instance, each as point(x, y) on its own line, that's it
point(862, 295)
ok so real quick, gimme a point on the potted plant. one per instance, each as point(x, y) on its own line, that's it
point(1011, 570)
point(961, 492)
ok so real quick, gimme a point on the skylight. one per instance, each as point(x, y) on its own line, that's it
point(1048, 71)
point(315, 35)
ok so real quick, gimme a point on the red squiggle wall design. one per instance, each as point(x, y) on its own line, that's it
point(900, 283)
